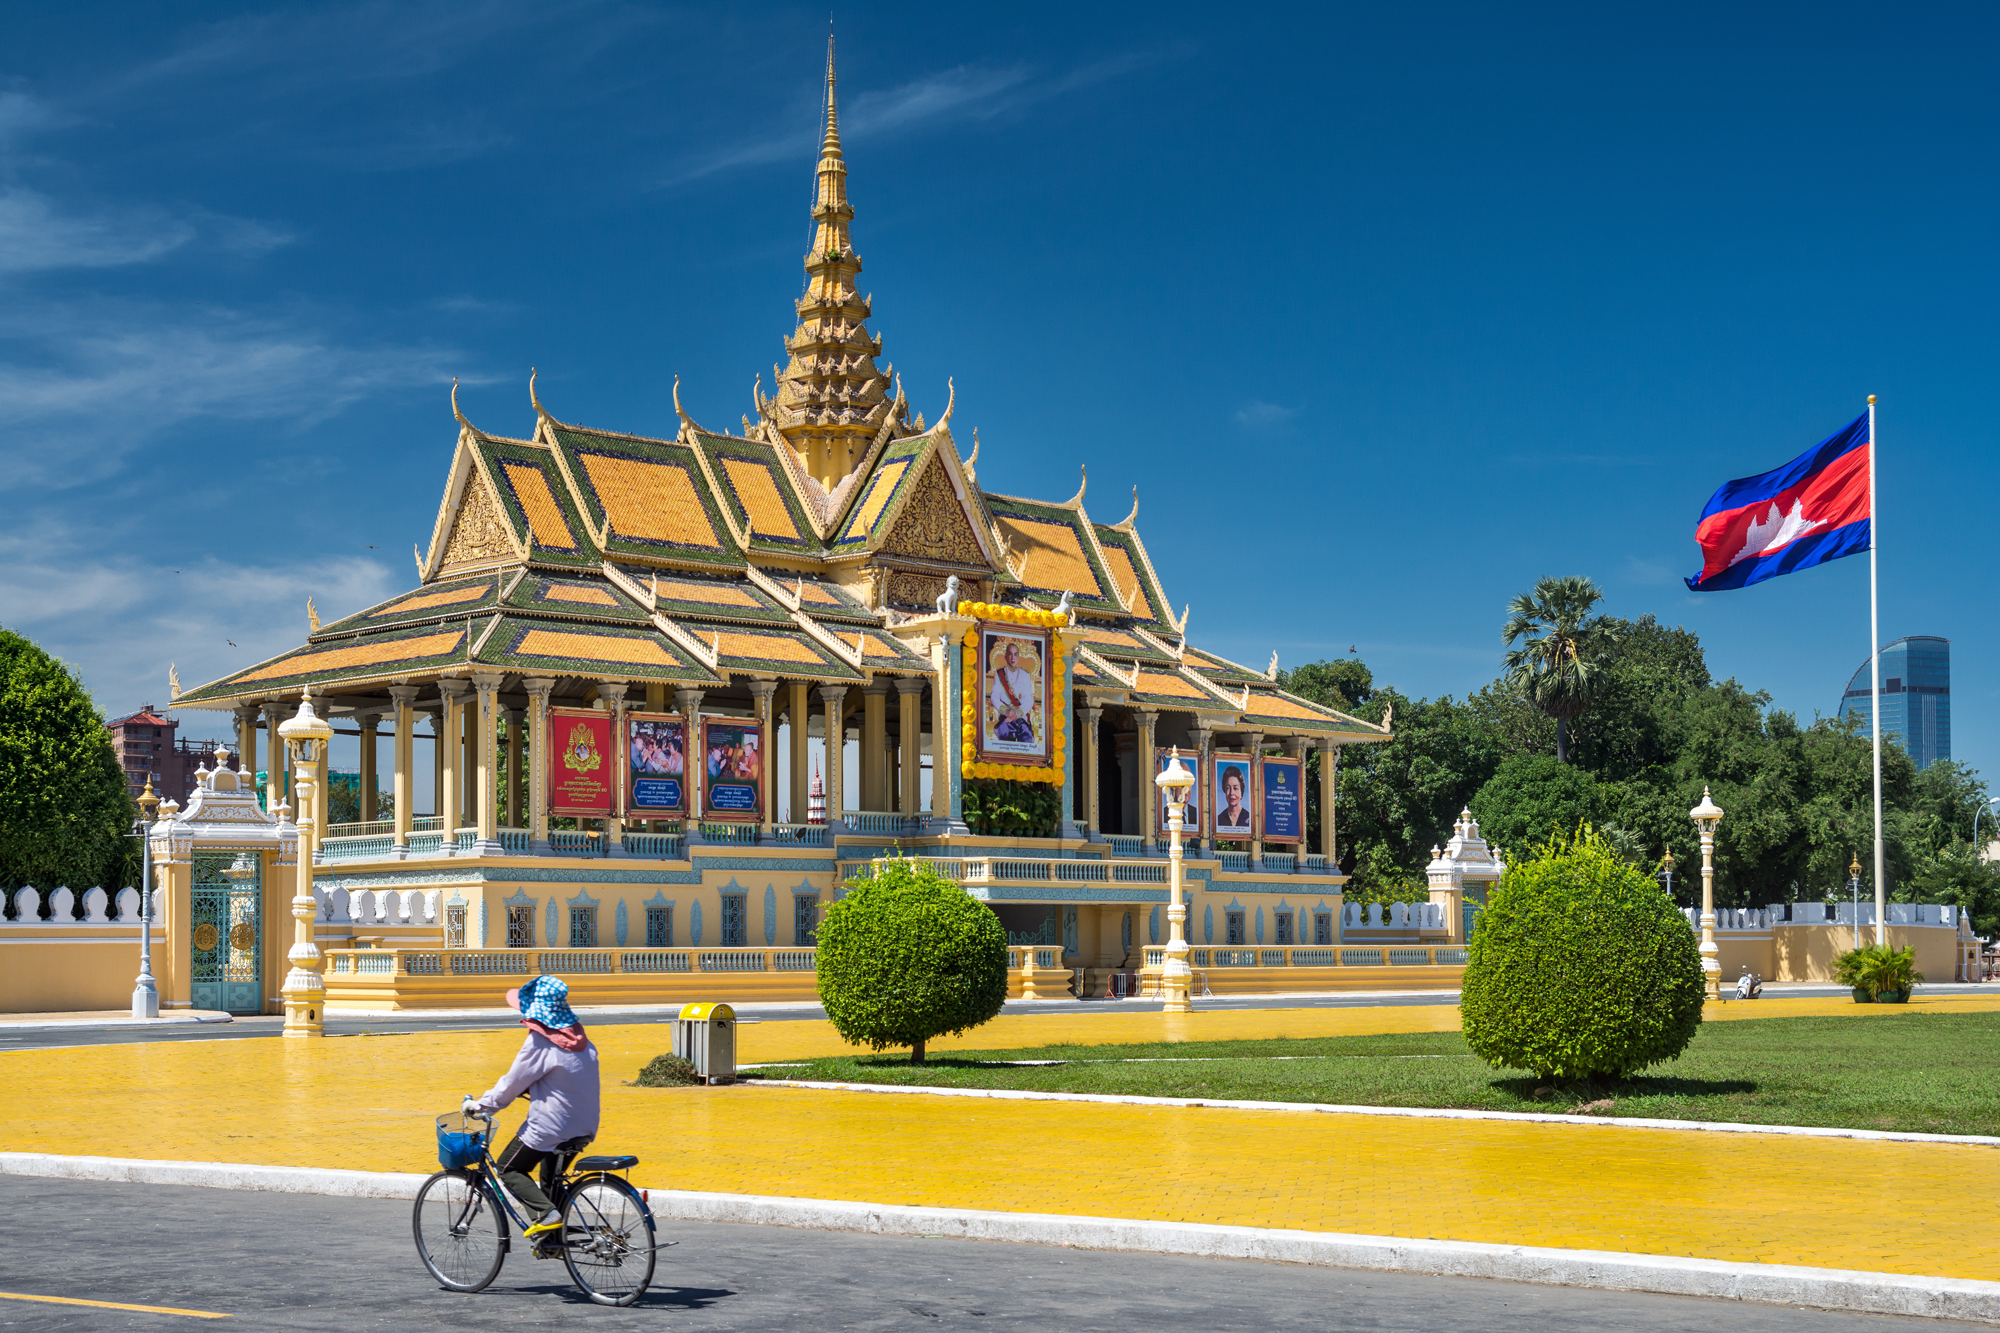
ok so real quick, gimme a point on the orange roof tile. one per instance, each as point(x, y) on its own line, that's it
point(562, 592)
point(1055, 558)
point(361, 654)
point(545, 517)
point(759, 493)
point(650, 501)
point(594, 648)
point(448, 597)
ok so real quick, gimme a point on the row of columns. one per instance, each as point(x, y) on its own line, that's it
point(1144, 758)
point(465, 716)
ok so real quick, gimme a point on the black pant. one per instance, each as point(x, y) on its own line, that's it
point(517, 1160)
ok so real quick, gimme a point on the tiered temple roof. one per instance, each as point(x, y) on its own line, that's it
point(794, 550)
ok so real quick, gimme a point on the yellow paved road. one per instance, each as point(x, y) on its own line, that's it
point(366, 1103)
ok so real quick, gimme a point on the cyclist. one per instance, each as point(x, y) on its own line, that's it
point(557, 1069)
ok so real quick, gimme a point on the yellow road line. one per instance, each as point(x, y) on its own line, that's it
point(112, 1305)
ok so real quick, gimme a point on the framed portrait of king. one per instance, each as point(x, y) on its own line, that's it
point(1013, 695)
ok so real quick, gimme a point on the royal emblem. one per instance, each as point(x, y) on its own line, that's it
point(581, 755)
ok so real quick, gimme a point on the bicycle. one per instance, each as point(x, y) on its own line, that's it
point(460, 1219)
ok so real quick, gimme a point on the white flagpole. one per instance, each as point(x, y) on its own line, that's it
point(1875, 670)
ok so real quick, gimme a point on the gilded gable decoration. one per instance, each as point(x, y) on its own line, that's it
point(933, 525)
point(478, 534)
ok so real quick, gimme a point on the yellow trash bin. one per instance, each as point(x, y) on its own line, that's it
point(705, 1036)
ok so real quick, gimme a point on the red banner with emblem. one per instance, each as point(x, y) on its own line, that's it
point(583, 769)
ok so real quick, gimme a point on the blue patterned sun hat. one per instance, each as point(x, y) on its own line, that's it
point(546, 1000)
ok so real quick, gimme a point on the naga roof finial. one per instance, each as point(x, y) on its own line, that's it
point(540, 411)
point(950, 401)
point(972, 459)
point(1132, 517)
point(1081, 486)
point(454, 404)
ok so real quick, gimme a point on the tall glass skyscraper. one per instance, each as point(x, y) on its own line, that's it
point(1916, 697)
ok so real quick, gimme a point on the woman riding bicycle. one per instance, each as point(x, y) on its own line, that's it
point(557, 1069)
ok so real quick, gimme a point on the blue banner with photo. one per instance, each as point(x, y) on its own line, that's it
point(1283, 800)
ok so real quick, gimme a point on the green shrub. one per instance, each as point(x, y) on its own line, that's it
point(1580, 968)
point(1531, 798)
point(668, 1071)
point(1004, 806)
point(64, 808)
point(908, 955)
point(1878, 968)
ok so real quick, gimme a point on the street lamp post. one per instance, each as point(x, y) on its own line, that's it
point(305, 738)
point(1175, 977)
point(1706, 816)
point(1667, 873)
point(1854, 888)
point(146, 991)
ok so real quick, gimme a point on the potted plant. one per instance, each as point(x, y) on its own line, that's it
point(1878, 973)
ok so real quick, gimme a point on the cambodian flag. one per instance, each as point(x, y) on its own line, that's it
point(1812, 510)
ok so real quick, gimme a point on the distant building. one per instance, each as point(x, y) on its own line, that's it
point(148, 747)
point(1916, 697)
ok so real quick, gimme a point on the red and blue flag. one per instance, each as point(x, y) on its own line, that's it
point(1812, 510)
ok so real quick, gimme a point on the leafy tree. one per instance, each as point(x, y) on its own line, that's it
point(908, 955)
point(64, 810)
point(1558, 662)
point(1402, 796)
point(1343, 685)
point(1580, 968)
point(1531, 798)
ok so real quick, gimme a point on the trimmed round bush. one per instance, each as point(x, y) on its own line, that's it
point(909, 955)
point(1580, 968)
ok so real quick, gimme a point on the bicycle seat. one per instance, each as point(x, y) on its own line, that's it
point(604, 1164)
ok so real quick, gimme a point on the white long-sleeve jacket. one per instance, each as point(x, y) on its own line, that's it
point(561, 1087)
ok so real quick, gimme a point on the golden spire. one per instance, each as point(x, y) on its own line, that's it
point(831, 400)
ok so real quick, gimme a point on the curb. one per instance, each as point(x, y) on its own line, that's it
point(1407, 1112)
point(164, 1020)
point(1774, 1284)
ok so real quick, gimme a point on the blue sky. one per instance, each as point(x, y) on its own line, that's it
point(1387, 311)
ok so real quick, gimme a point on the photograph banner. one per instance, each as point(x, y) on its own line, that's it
point(732, 752)
point(1014, 695)
point(1191, 817)
point(1281, 800)
point(1230, 783)
point(583, 772)
point(656, 765)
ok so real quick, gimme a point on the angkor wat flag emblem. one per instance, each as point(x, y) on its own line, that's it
point(1812, 510)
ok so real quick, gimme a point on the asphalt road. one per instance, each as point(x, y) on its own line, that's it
point(301, 1261)
point(19, 1033)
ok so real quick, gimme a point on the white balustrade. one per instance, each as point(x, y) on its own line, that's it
point(93, 907)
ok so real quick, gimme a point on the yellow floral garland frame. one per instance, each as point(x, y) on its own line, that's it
point(969, 709)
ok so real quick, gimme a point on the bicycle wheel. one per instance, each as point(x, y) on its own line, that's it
point(608, 1240)
point(461, 1230)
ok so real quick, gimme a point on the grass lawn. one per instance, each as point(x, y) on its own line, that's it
point(1921, 1071)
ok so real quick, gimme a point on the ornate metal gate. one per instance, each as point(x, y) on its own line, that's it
point(227, 936)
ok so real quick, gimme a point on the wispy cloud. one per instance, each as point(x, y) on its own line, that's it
point(110, 375)
point(1260, 415)
point(122, 620)
point(1650, 573)
point(1582, 460)
point(964, 92)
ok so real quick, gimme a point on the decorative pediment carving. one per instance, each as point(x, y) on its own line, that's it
point(479, 533)
point(933, 525)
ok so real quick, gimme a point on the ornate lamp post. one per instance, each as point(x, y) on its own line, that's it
point(1667, 872)
point(1175, 977)
point(1854, 887)
point(145, 991)
point(305, 738)
point(1706, 816)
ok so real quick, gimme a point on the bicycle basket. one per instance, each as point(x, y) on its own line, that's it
point(459, 1142)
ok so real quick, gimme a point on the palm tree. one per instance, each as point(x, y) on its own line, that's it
point(1558, 660)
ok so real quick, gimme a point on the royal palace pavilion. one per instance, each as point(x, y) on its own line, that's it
point(613, 637)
